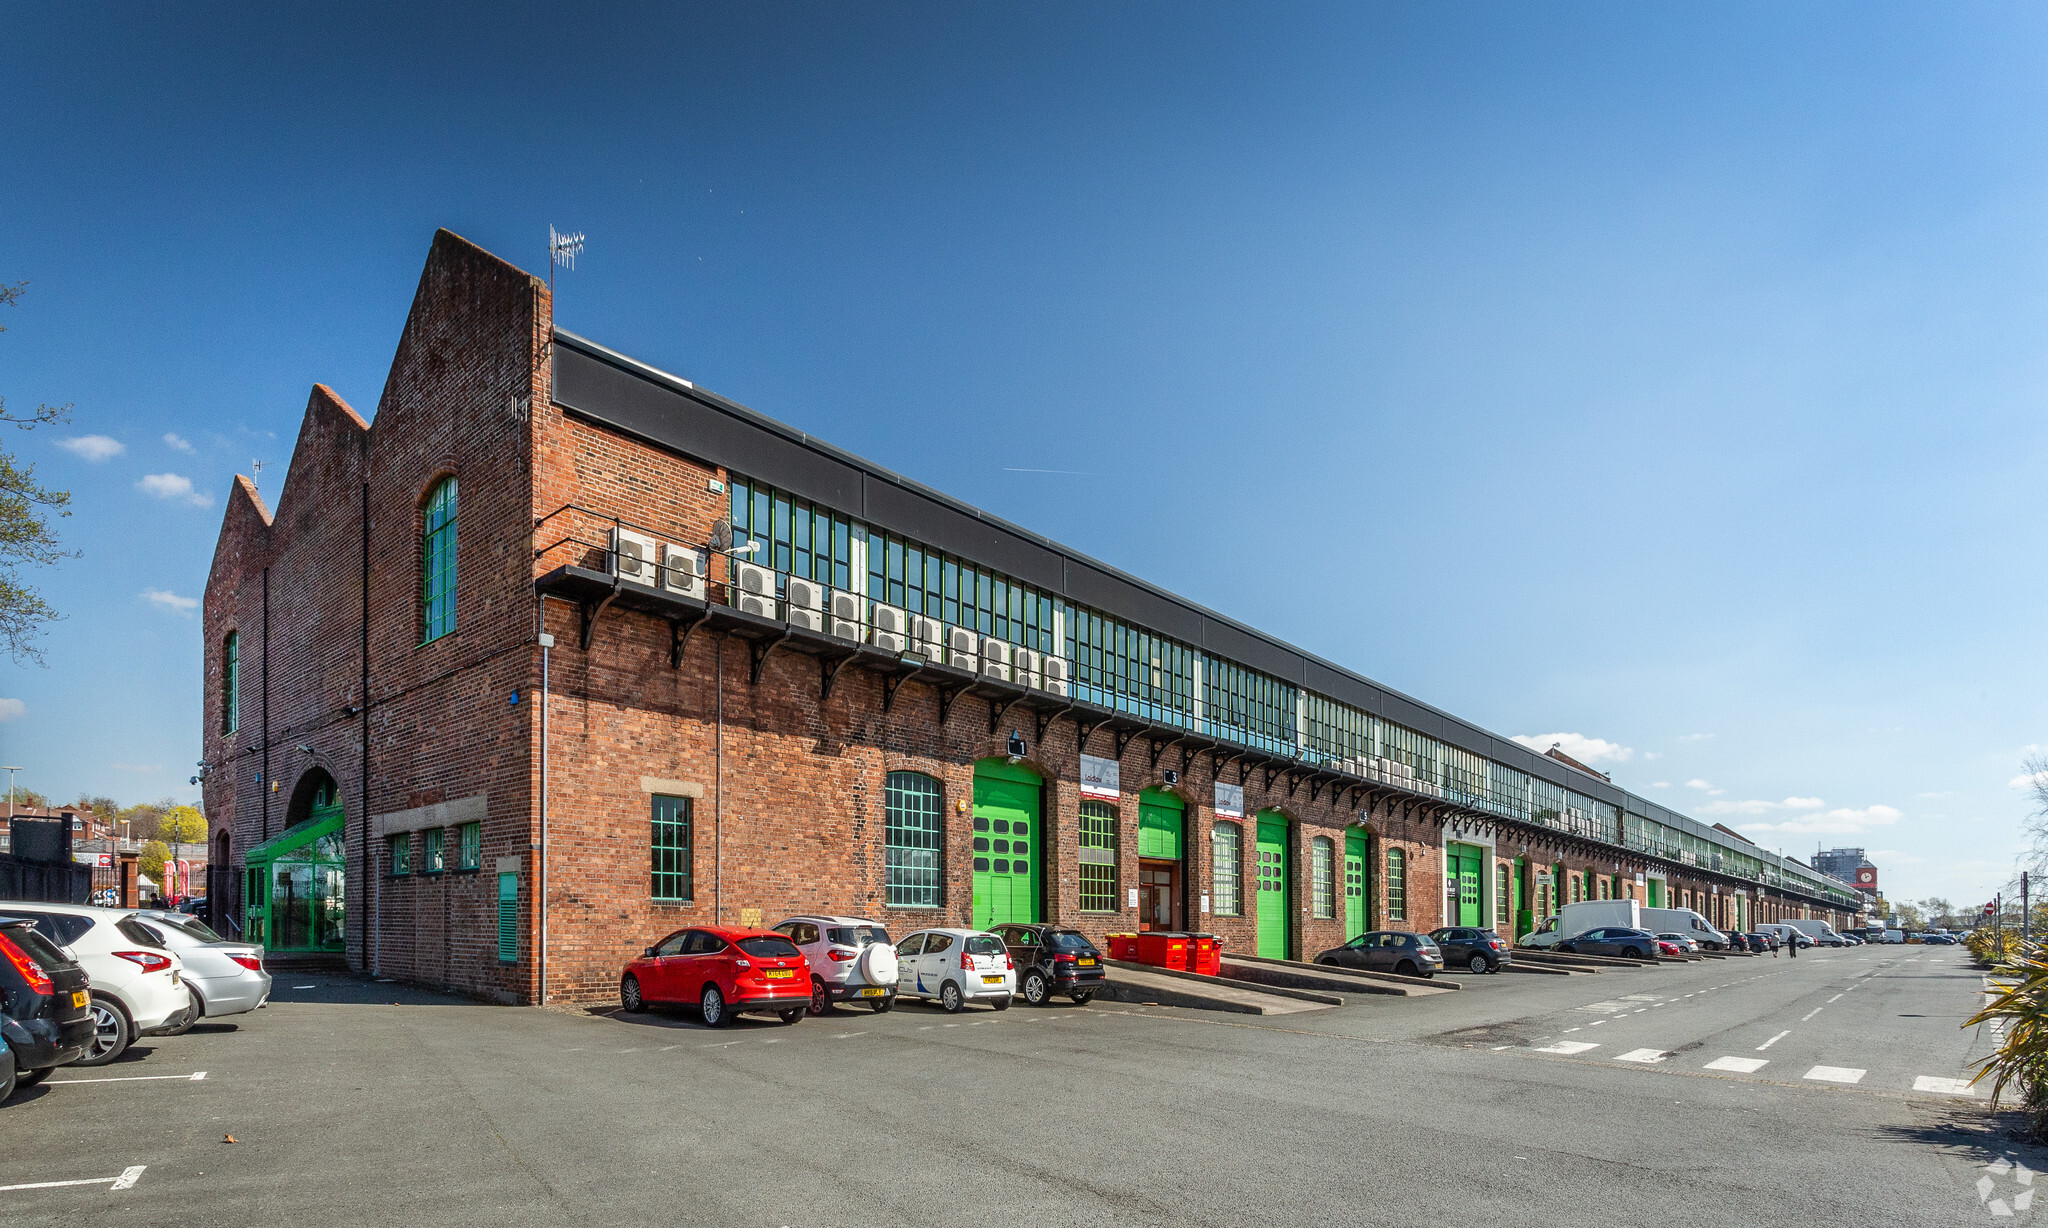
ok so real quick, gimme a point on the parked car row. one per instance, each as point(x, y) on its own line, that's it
point(79, 984)
point(810, 964)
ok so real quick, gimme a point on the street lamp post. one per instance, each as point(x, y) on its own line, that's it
point(10, 788)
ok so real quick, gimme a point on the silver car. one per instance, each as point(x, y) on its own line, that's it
point(224, 977)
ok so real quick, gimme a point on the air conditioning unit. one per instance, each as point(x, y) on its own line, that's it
point(806, 604)
point(995, 657)
point(1054, 670)
point(847, 623)
point(754, 590)
point(633, 556)
point(927, 637)
point(961, 644)
point(892, 628)
point(682, 571)
point(1024, 668)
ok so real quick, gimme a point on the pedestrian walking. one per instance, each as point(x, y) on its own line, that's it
point(1792, 946)
point(1776, 942)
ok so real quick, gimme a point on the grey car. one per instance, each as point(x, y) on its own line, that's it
point(1615, 940)
point(224, 977)
point(1396, 951)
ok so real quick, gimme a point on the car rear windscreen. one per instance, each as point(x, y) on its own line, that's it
point(36, 947)
point(857, 935)
point(193, 926)
point(984, 944)
point(1068, 940)
point(767, 947)
point(136, 931)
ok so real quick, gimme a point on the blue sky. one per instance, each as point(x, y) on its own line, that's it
point(1666, 376)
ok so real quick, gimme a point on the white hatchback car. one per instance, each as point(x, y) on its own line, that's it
point(956, 966)
point(223, 977)
point(851, 958)
point(137, 984)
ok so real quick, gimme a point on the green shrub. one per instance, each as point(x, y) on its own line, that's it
point(2019, 1066)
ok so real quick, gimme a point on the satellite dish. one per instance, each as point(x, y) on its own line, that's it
point(721, 534)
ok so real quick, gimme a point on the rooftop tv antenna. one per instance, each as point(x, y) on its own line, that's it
point(256, 472)
point(563, 250)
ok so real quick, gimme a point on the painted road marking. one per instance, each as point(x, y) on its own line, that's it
point(1642, 1055)
point(1837, 997)
point(1947, 1087)
point(1836, 1074)
point(1568, 1047)
point(194, 1077)
point(1810, 1014)
point(1739, 1065)
point(126, 1181)
point(1774, 1040)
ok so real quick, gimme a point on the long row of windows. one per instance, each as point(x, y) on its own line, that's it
point(425, 852)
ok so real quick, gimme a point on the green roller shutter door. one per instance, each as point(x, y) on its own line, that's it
point(1160, 825)
point(1354, 884)
point(1007, 844)
point(1272, 887)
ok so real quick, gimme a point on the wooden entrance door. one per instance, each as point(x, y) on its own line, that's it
point(1158, 895)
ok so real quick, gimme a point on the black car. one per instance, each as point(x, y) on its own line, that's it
point(1464, 947)
point(1615, 940)
point(45, 1015)
point(1762, 942)
point(1397, 951)
point(1052, 960)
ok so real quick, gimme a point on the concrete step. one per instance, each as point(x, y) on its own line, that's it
point(1355, 980)
point(1586, 961)
point(1142, 983)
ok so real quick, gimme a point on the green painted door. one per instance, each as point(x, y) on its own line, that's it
point(1160, 817)
point(1525, 917)
point(1272, 889)
point(296, 891)
point(1464, 865)
point(1354, 884)
point(1655, 896)
point(1007, 841)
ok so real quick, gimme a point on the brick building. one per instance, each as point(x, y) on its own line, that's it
point(559, 619)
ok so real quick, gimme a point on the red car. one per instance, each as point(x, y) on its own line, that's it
point(1669, 949)
point(722, 972)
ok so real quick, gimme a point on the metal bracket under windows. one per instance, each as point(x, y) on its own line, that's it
point(892, 683)
point(590, 612)
point(759, 650)
point(1083, 730)
point(1159, 748)
point(1123, 739)
point(948, 692)
point(679, 632)
point(997, 705)
point(1272, 774)
point(828, 673)
point(1046, 716)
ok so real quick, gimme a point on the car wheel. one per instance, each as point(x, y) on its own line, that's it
point(188, 1018)
point(629, 995)
point(950, 1000)
point(712, 1008)
point(7, 1077)
point(1327, 962)
point(821, 998)
point(29, 1078)
point(1083, 999)
point(111, 1032)
point(791, 1015)
point(1036, 991)
point(1405, 968)
point(1631, 953)
point(881, 1006)
point(1478, 964)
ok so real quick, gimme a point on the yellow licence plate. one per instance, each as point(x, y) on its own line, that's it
point(78, 997)
point(779, 974)
point(871, 993)
point(991, 980)
point(1085, 963)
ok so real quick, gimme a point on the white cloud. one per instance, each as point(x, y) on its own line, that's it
point(138, 767)
point(1839, 822)
point(1660, 784)
point(173, 486)
point(1762, 807)
point(169, 601)
point(1653, 754)
point(12, 710)
point(1703, 786)
point(1586, 750)
point(180, 443)
point(2026, 780)
point(1695, 737)
point(93, 447)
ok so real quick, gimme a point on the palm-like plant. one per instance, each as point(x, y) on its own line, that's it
point(2020, 1063)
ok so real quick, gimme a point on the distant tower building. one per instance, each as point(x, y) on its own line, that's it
point(1850, 866)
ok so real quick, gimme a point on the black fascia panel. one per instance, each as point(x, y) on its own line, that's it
point(969, 538)
point(1344, 688)
point(1108, 592)
point(1227, 639)
point(676, 419)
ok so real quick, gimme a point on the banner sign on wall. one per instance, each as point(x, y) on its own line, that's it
point(1101, 778)
point(1229, 801)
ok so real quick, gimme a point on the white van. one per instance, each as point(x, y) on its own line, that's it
point(1575, 919)
point(1685, 921)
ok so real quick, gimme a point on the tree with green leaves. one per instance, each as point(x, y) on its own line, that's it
point(183, 825)
point(26, 538)
point(151, 861)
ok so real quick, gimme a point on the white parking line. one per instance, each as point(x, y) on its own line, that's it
point(1739, 1065)
point(1947, 1087)
point(1774, 1040)
point(1810, 1014)
point(194, 1077)
point(1835, 1074)
point(126, 1181)
point(1837, 997)
point(1567, 1047)
point(1643, 1055)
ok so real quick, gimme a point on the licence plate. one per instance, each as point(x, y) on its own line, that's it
point(1084, 963)
point(779, 974)
point(78, 997)
point(871, 993)
point(991, 980)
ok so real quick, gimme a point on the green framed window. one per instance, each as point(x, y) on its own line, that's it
point(1226, 857)
point(1322, 865)
point(430, 860)
point(1397, 885)
point(437, 562)
point(401, 854)
point(471, 836)
point(672, 849)
point(912, 841)
point(508, 918)
point(231, 683)
point(1098, 857)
